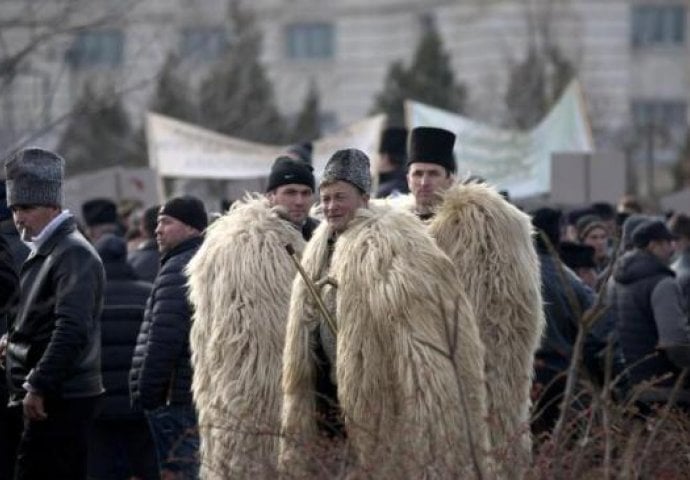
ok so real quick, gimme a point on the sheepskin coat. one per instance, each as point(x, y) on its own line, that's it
point(240, 284)
point(490, 242)
point(409, 360)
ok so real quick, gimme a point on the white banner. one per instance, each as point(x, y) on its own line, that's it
point(517, 161)
point(182, 150)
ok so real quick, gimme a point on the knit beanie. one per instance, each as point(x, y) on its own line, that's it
point(286, 170)
point(432, 145)
point(349, 165)
point(188, 210)
point(34, 177)
point(586, 224)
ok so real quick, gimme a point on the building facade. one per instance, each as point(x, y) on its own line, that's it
point(632, 56)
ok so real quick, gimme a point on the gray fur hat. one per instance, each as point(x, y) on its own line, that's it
point(34, 177)
point(350, 165)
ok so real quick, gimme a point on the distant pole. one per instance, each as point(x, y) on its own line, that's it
point(651, 188)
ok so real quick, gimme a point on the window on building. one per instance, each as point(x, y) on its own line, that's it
point(310, 41)
point(661, 113)
point(658, 25)
point(96, 48)
point(203, 43)
point(664, 124)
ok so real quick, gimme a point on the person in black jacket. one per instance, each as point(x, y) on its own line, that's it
point(120, 442)
point(652, 321)
point(563, 322)
point(54, 344)
point(161, 374)
point(145, 259)
point(392, 174)
point(9, 288)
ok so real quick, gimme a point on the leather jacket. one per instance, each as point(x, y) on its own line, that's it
point(54, 332)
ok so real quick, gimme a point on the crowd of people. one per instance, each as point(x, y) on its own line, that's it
point(406, 319)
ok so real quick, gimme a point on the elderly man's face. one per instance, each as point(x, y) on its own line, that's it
point(295, 198)
point(30, 220)
point(340, 200)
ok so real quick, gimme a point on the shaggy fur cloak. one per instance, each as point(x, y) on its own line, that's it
point(409, 360)
point(240, 284)
point(490, 242)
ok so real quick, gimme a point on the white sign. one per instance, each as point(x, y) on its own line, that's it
point(179, 149)
point(517, 161)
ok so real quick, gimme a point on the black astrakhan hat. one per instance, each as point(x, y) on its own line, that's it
point(432, 145)
point(99, 211)
point(576, 255)
point(394, 141)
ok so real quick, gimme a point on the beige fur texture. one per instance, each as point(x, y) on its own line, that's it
point(490, 242)
point(409, 362)
point(239, 286)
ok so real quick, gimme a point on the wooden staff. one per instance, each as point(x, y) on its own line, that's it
point(330, 321)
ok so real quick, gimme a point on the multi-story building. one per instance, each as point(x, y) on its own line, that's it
point(632, 56)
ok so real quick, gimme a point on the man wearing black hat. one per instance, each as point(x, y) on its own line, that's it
point(431, 167)
point(100, 218)
point(161, 374)
point(580, 259)
point(378, 274)
point(291, 186)
point(652, 323)
point(54, 348)
point(391, 164)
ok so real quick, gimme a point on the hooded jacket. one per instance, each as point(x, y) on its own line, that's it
point(408, 362)
point(123, 311)
point(637, 275)
point(239, 285)
point(490, 244)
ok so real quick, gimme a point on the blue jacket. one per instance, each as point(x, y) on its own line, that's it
point(161, 368)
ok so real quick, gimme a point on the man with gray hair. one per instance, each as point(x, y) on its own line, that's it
point(389, 294)
point(54, 345)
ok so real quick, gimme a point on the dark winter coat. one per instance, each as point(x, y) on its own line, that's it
point(161, 368)
point(392, 183)
point(55, 331)
point(562, 323)
point(145, 260)
point(123, 312)
point(636, 276)
point(19, 250)
point(9, 281)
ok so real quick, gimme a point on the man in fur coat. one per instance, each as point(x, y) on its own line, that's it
point(240, 289)
point(399, 381)
point(490, 243)
point(291, 186)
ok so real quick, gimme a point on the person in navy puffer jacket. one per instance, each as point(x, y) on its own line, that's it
point(161, 374)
